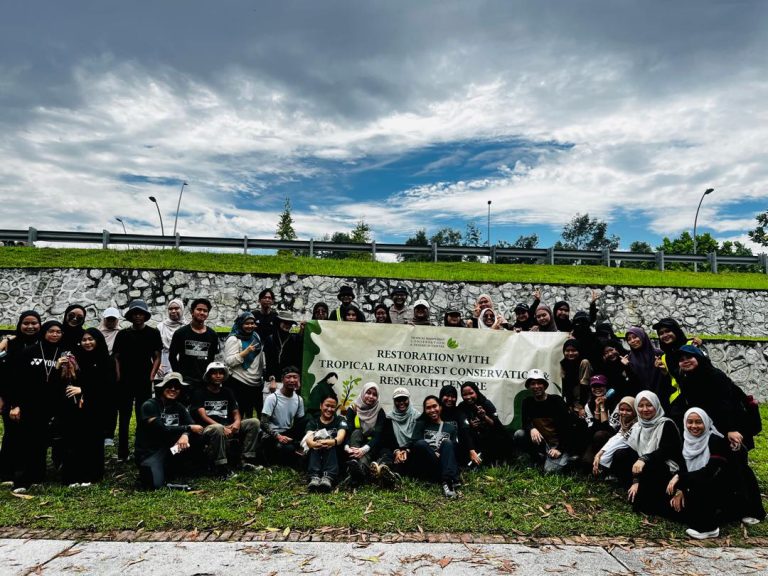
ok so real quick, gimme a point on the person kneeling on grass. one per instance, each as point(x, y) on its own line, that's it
point(325, 434)
point(434, 448)
point(163, 432)
point(216, 409)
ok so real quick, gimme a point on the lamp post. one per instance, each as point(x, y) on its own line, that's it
point(695, 221)
point(124, 230)
point(154, 201)
point(489, 223)
point(178, 205)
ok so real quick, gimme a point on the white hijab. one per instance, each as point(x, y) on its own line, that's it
point(696, 449)
point(645, 435)
point(167, 327)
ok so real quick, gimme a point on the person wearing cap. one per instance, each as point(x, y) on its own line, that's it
point(398, 311)
point(283, 421)
point(599, 414)
point(216, 409)
point(110, 326)
point(421, 313)
point(346, 296)
point(137, 358)
point(72, 327)
point(266, 317)
point(546, 424)
point(173, 321)
point(285, 346)
point(165, 433)
point(195, 345)
point(452, 317)
point(397, 437)
point(524, 314)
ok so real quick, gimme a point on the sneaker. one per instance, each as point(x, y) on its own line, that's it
point(375, 470)
point(74, 485)
point(326, 484)
point(703, 535)
point(314, 483)
point(388, 476)
point(108, 442)
point(448, 490)
point(19, 490)
point(224, 473)
point(750, 521)
point(251, 467)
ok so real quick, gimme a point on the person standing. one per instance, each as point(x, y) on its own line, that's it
point(110, 326)
point(137, 359)
point(194, 346)
point(398, 311)
point(266, 316)
point(167, 328)
point(244, 356)
point(72, 327)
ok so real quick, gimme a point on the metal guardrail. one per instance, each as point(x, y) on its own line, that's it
point(313, 247)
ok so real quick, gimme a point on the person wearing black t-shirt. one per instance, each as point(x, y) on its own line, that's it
point(266, 316)
point(163, 434)
point(216, 409)
point(195, 345)
point(326, 432)
point(137, 358)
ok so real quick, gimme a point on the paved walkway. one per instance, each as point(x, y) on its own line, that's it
point(19, 556)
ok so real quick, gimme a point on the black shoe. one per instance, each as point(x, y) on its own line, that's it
point(356, 471)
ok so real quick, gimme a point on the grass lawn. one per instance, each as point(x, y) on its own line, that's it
point(504, 500)
point(597, 276)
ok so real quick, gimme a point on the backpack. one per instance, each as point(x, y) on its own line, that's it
point(748, 411)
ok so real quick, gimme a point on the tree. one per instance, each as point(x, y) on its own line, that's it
point(285, 229)
point(526, 242)
point(640, 248)
point(447, 237)
point(585, 233)
point(472, 237)
point(729, 248)
point(683, 244)
point(360, 234)
point(759, 235)
point(419, 239)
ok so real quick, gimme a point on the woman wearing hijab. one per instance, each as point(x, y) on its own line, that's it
point(704, 386)
point(110, 326)
point(641, 363)
point(545, 321)
point(365, 420)
point(622, 420)
point(700, 489)
point(244, 356)
point(381, 314)
point(487, 439)
point(33, 401)
point(656, 444)
point(351, 313)
point(320, 311)
point(397, 436)
point(11, 350)
point(72, 326)
point(483, 302)
point(615, 371)
point(173, 321)
point(82, 411)
point(449, 412)
point(575, 372)
point(598, 412)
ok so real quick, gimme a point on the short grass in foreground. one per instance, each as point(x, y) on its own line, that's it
point(503, 500)
point(596, 276)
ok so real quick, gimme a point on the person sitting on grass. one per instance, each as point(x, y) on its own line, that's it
point(325, 434)
point(162, 445)
point(397, 436)
point(215, 408)
point(434, 448)
point(365, 420)
point(487, 439)
point(282, 421)
point(603, 460)
point(546, 425)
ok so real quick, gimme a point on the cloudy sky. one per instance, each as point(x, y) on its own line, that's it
point(406, 114)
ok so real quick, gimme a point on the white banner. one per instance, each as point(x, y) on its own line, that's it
point(423, 359)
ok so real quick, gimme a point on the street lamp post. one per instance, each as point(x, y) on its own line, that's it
point(489, 223)
point(695, 221)
point(124, 230)
point(154, 201)
point(178, 205)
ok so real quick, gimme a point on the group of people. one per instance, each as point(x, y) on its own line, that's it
point(664, 423)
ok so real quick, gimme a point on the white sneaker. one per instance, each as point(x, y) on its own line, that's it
point(703, 535)
point(108, 442)
point(750, 521)
point(20, 490)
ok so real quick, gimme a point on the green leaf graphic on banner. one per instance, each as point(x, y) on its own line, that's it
point(452, 344)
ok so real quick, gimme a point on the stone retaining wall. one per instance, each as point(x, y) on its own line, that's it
point(700, 311)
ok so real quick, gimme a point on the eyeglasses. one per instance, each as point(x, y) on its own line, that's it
point(401, 400)
point(173, 386)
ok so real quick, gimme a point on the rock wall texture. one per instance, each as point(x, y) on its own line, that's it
point(700, 311)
